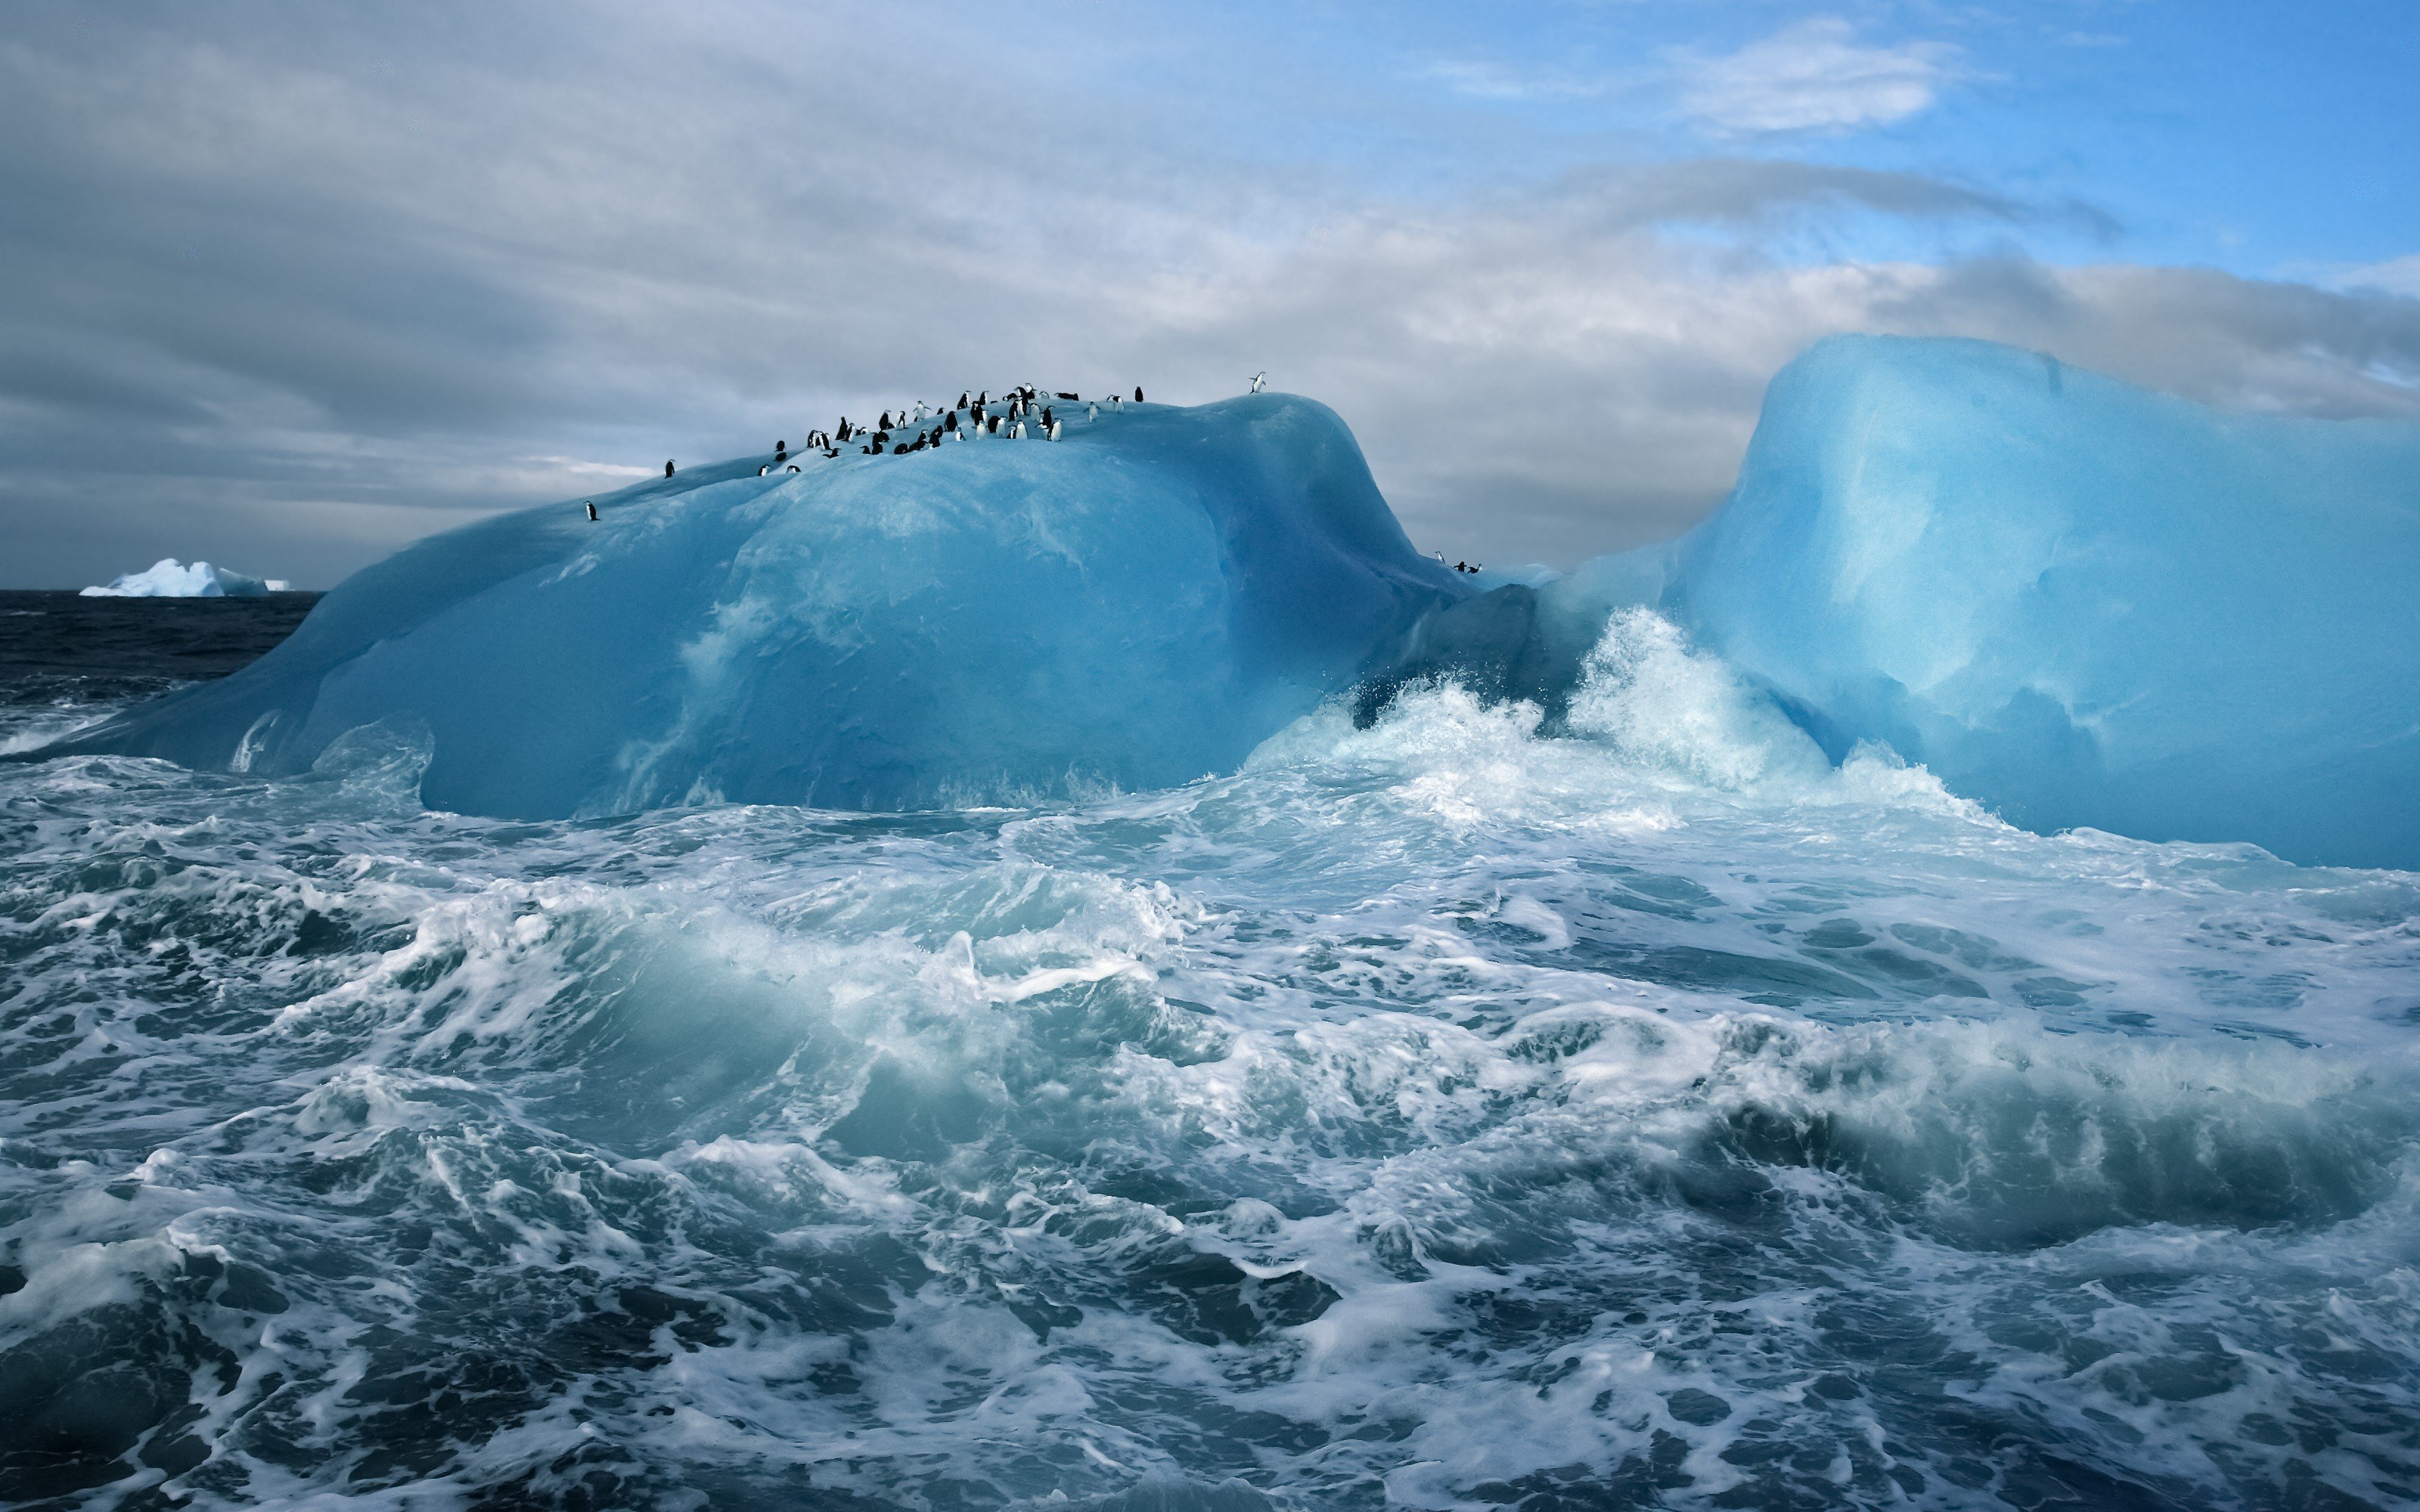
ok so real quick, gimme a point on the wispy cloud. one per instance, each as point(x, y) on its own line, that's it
point(1813, 76)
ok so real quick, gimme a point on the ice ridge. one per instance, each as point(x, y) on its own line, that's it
point(1132, 606)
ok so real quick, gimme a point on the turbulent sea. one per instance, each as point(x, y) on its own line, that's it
point(1438, 1113)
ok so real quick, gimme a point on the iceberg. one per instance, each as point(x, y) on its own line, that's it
point(1133, 606)
point(169, 579)
point(2080, 603)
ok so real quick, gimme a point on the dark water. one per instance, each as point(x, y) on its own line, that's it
point(67, 653)
point(1428, 1116)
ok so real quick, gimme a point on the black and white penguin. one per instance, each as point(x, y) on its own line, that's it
point(794, 467)
point(1069, 397)
point(1046, 421)
point(950, 423)
point(1094, 412)
point(592, 512)
point(668, 467)
point(1049, 427)
point(1138, 394)
point(1260, 382)
point(767, 468)
point(963, 400)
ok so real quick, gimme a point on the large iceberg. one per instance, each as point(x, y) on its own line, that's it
point(2076, 601)
point(1133, 606)
point(170, 578)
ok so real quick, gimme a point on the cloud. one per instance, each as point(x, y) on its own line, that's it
point(1813, 76)
point(2396, 275)
point(283, 290)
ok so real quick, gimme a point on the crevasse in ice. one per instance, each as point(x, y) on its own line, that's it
point(1134, 605)
point(2080, 603)
point(170, 578)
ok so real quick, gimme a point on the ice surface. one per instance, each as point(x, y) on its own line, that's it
point(169, 579)
point(2075, 601)
point(1135, 606)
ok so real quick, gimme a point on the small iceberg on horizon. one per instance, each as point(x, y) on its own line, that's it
point(169, 579)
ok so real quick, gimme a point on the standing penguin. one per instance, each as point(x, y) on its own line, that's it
point(1260, 382)
point(1138, 394)
point(1050, 429)
point(592, 512)
point(1094, 412)
point(668, 467)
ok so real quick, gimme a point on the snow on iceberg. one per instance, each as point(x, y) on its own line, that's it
point(169, 579)
point(2075, 601)
point(1136, 605)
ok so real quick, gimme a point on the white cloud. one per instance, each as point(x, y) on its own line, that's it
point(2396, 275)
point(1813, 76)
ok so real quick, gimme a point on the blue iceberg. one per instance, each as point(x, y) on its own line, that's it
point(170, 578)
point(2078, 602)
point(1135, 605)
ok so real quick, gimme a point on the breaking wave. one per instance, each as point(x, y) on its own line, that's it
point(1436, 1113)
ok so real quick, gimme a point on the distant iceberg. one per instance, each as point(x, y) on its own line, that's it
point(2080, 603)
point(168, 579)
point(985, 620)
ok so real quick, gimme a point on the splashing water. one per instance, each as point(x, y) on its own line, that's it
point(1432, 1115)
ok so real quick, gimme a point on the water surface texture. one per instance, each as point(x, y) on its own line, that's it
point(1428, 1115)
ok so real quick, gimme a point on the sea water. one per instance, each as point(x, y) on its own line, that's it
point(1435, 1112)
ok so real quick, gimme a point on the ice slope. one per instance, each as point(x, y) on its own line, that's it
point(1134, 605)
point(169, 579)
point(2076, 601)
point(2080, 602)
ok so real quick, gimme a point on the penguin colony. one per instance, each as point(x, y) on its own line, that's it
point(1012, 416)
point(1025, 411)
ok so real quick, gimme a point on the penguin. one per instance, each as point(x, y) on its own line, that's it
point(592, 512)
point(1046, 421)
point(780, 450)
point(950, 423)
point(995, 424)
point(1017, 432)
point(983, 398)
point(761, 471)
point(1069, 397)
point(921, 410)
point(668, 467)
point(900, 450)
point(1049, 430)
point(1260, 382)
point(963, 400)
point(1138, 394)
point(1094, 412)
point(794, 467)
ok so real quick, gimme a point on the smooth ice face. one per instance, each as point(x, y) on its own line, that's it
point(1134, 605)
point(169, 579)
point(2079, 602)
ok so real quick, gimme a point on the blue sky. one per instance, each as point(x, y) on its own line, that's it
point(287, 286)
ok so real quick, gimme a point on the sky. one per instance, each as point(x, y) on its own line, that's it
point(289, 285)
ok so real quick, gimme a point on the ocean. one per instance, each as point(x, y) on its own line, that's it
point(1434, 1113)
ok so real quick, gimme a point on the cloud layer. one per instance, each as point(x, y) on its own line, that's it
point(292, 287)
